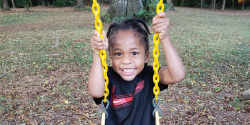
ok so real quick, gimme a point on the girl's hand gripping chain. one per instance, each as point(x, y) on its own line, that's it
point(175, 71)
point(161, 25)
point(98, 43)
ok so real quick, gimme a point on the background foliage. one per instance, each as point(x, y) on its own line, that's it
point(149, 5)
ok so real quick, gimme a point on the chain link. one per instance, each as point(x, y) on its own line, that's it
point(156, 41)
point(102, 53)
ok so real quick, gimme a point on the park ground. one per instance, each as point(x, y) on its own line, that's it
point(43, 80)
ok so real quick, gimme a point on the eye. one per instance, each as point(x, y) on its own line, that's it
point(134, 53)
point(118, 54)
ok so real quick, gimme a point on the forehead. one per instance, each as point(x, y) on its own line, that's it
point(127, 39)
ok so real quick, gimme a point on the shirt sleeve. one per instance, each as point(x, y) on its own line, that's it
point(98, 100)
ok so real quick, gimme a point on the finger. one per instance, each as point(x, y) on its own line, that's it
point(97, 39)
point(159, 25)
point(104, 35)
point(98, 44)
point(161, 15)
point(105, 39)
point(96, 33)
point(160, 20)
point(160, 30)
point(93, 46)
point(157, 21)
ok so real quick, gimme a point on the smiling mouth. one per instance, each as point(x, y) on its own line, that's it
point(128, 70)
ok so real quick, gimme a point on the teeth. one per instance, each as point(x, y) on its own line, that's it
point(128, 70)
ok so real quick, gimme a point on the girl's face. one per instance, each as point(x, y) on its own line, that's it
point(127, 55)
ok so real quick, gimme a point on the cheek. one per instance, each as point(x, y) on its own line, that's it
point(114, 62)
point(110, 60)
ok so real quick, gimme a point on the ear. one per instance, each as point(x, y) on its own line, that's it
point(146, 57)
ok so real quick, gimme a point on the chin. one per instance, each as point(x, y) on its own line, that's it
point(126, 78)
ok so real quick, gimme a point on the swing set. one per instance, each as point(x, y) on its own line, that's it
point(102, 53)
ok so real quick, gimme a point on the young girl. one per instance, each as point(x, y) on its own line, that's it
point(130, 78)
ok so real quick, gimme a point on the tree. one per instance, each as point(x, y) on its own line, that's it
point(213, 4)
point(13, 3)
point(80, 3)
point(43, 3)
point(31, 3)
point(171, 5)
point(243, 4)
point(48, 3)
point(202, 2)
point(223, 5)
point(182, 3)
point(26, 5)
point(232, 4)
point(6, 5)
point(123, 8)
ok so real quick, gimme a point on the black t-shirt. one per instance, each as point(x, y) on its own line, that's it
point(131, 101)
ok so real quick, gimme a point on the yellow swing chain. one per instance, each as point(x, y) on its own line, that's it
point(98, 26)
point(156, 78)
point(156, 41)
point(102, 53)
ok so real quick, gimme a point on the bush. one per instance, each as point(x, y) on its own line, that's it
point(63, 3)
point(106, 18)
point(149, 11)
point(191, 3)
point(1, 4)
point(119, 19)
point(88, 2)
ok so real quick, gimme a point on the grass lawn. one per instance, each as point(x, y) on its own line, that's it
point(44, 80)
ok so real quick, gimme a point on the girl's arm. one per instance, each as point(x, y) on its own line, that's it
point(96, 79)
point(174, 71)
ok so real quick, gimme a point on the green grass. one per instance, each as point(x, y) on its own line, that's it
point(19, 18)
point(212, 44)
point(33, 55)
point(214, 47)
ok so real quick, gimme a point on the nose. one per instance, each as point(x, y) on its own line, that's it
point(126, 60)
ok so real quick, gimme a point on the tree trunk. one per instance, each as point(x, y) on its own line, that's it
point(48, 3)
point(223, 5)
point(26, 5)
point(214, 4)
point(243, 5)
point(123, 8)
point(133, 7)
point(43, 3)
point(31, 3)
point(202, 2)
point(6, 5)
point(27, 8)
point(13, 3)
point(182, 3)
point(232, 4)
point(171, 6)
point(80, 3)
point(211, 4)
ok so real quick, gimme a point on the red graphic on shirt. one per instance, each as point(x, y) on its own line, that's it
point(119, 101)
